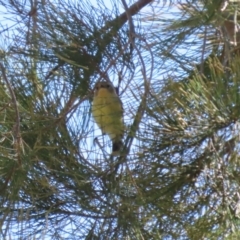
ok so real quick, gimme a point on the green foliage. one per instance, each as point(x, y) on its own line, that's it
point(177, 69)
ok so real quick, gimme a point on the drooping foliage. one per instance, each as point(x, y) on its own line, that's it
point(176, 66)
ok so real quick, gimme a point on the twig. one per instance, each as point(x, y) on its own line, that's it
point(17, 136)
point(131, 25)
point(203, 50)
point(122, 18)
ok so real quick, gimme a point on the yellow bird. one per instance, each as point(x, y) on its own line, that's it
point(108, 113)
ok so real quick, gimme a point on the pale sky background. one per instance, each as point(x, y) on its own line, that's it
point(4, 41)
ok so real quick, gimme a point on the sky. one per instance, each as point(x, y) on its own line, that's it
point(128, 104)
point(127, 96)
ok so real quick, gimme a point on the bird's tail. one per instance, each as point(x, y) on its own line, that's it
point(116, 146)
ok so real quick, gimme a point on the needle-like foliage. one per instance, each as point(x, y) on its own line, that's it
point(176, 66)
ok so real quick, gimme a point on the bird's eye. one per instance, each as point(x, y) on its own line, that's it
point(108, 86)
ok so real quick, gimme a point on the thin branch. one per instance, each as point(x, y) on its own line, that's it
point(16, 132)
point(130, 22)
point(132, 10)
point(119, 21)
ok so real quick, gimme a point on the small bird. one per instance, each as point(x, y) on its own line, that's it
point(107, 111)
